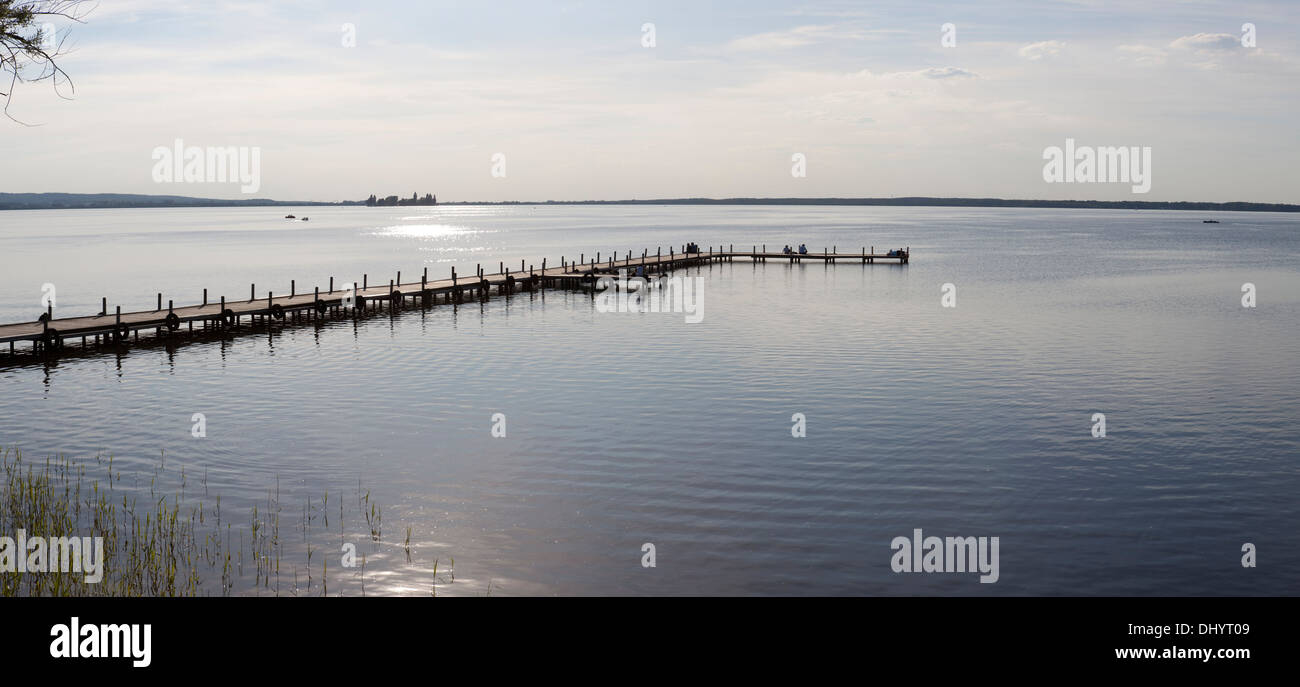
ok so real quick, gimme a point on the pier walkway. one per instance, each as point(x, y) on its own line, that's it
point(48, 334)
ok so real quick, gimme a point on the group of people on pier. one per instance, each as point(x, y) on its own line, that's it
point(802, 250)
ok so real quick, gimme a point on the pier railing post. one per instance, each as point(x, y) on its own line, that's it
point(159, 302)
point(205, 296)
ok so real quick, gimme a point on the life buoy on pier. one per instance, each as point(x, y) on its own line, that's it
point(395, 298)
point(173, 322)
point(121, 332)
point(321, 307)
point(52, 340)
point(228, 317)
point(277, 311)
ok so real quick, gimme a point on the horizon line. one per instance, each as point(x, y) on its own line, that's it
point(143, 201)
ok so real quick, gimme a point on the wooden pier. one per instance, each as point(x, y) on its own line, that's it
point(48, 335)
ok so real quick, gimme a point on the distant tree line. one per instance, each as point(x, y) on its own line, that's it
point(415, 199)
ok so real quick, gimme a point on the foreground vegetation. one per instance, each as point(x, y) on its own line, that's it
point(177, 541)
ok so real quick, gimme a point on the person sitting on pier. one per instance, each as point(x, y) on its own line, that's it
point(803, 249)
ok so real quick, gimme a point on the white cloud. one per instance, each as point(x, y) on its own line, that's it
point(947, 73)
point(1207, 42)
point(1041, 49)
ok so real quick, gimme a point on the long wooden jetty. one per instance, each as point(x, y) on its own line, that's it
point(48, 335)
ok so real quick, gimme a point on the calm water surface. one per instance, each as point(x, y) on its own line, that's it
point(624, 429)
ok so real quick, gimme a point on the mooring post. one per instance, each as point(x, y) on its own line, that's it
point(103, 304)
point(399, 277)
point(119, 315)
point(268, 299)
point(293, 288)
point(252, 292)
point(365, 281)
point(169, 306)
point(453, 275)
point(205, 296)
point(159, 302)
point(223, 309)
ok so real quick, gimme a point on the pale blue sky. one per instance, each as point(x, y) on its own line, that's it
point(730, 91)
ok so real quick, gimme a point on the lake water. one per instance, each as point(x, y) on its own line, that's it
point(624, 429)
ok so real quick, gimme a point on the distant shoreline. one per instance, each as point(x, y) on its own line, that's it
point(100, 201)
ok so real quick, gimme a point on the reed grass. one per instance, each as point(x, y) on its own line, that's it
point(169, 540)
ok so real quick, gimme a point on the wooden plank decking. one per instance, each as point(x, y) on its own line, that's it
point(49, 335)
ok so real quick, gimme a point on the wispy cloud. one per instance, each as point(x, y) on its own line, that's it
point(1041, 50)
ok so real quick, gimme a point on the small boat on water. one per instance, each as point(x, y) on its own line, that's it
point(1209, 221)
point(289, 217)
